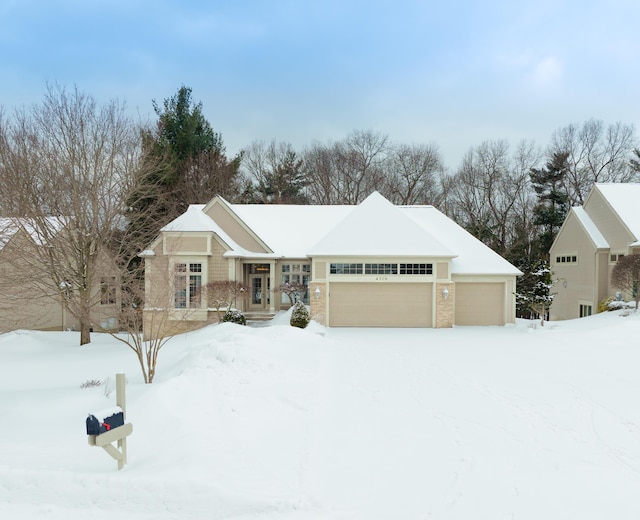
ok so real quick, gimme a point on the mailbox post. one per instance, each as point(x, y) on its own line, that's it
point(107, 434)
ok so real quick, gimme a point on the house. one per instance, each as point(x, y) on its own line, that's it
point(30, 299)
point(371, 265)
point(591, 240)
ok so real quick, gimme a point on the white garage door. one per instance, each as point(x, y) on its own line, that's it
point(479, 303)
point(380, 304)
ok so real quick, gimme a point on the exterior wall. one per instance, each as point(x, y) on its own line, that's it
point(608, 222)
point(576, 282)
point(160, 316)
point(221, 215)
point(445, 306)
point(318, 302)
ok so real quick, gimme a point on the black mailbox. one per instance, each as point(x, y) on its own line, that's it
point(104, 421)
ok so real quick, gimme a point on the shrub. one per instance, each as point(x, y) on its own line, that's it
point(605, 304)
point(234, 316)
point(300, 315)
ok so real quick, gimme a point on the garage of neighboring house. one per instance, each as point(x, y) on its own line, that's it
point(353, 304)
point(480, 303)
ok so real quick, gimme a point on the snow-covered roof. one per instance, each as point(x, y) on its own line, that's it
point(290, 230)
point(623, 198)
point(590, 227)
point(195, 220)
point(472, 256)
point(378, 228)
point(10, 226)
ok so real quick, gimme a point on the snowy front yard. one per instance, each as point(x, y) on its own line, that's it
point(281, 423)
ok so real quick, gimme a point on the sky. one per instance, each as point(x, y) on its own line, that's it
point(453, 74)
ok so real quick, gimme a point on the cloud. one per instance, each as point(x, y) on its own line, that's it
point(547, 74)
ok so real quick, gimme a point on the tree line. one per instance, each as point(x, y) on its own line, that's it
point(115, 182)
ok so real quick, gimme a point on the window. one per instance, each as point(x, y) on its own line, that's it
point(107, 290)
point(585, 310)
point(614, 257)
point(380, 268)
point(416, 268)
point(345, 268)
point(296, 274)
point(187, 284)
point(566, 259)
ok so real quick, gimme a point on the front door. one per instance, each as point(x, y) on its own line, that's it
point(259, 298)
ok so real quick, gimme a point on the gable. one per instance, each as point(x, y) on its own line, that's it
point(378, 228)
point(607, 218)
point(224, 216)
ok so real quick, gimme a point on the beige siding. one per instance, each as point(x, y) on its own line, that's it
point(218, 265)
point(575, 282)
point(319, 270)
point(480, 303)
point(442, 269)
point(234, 229)
point(608, 223)
point(353, 304)
point(178, 245)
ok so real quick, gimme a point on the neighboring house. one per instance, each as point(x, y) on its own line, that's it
point(372, 265)
point(36, 303)
point(591, 240)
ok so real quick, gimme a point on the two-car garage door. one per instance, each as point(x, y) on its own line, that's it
point(380, 304)
point(411, 304)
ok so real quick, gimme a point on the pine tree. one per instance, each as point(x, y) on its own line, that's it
point(535, 293)
point(552, 206)
point(184, 162)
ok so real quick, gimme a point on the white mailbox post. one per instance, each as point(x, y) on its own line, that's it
point(119, 433)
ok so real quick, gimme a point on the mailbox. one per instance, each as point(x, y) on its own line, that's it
point(104, 421)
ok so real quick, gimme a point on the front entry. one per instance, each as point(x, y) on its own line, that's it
point(259, 286)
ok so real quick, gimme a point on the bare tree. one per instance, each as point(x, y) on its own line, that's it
point(277, 172)
point(69, 161)
point(293, 290)
point(491, 188)
point(625, 275)
point(223, 294)
point(347, 171)
point(413, 174)
point(595, 154)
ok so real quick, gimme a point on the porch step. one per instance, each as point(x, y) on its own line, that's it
point(258, 319)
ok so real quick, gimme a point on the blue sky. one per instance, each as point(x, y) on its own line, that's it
point(453, 73)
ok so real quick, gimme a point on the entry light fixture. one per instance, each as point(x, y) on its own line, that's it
point(317, 293)
point(445, 293)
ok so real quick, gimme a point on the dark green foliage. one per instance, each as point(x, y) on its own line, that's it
point(553, 200)
point(183, 162)
point(234, 316)
point(300, 315)
point(534, 291)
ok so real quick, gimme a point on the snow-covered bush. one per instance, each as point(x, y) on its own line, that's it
point(605, 304)
point(234, 316)
point(300, 315)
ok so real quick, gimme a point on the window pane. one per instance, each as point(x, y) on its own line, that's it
point(180, 292)
point(195, 281)
point(195, 268)
point(286, 268)
point(181, 268)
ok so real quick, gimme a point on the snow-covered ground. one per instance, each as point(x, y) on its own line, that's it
point(516, 422)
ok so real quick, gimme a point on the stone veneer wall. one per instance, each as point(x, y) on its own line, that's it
point(318, 306)
point(445, 308)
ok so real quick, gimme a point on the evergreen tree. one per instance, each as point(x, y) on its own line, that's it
point(552, 206)
point(184, 162)
point(534, 294)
